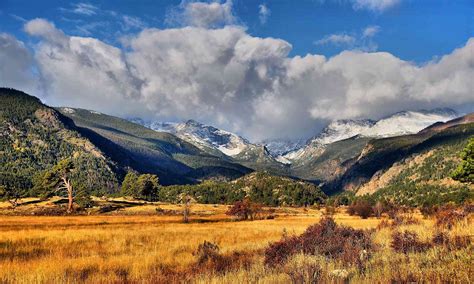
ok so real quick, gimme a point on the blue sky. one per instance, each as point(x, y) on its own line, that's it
point(414, 30)
point(263, 69)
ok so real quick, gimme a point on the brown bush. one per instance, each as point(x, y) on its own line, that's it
point(360, 208)
point(210, 259)
point(384, 224)
point(407, 242)
point(278, 252)
point(443, 239)
point(304, 271)
point(428, 211)
point(406, 219)
point(440, 239)
point(447, 217)
point(326, 238)
point(206, 251)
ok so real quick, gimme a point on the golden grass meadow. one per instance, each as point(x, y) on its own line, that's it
point(138, 245)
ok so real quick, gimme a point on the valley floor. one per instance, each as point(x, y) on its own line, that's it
point(137, 245)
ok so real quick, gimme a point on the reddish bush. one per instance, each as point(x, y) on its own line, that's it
point(440, 239)
point(326, 238)
point(428, 211)
point(245, 210)
point(443, 239)
point(278, 252)
point(449, 216)
point(407, 242)
point(360, 208)
point(406, 219)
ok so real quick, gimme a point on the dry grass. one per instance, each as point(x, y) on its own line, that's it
point(136, 245)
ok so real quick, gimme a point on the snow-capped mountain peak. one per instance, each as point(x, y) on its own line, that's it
point(400, 123)
point(203, 136)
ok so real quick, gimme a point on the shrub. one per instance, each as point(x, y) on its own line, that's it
point(440, 239)
point(210, 259)
point(406, 219)
point(304, 269)
point(407, 242)
point(360, 208)
point(443, 239)
point(206, 251)
point(326, 238)
point(449, 216)
point(428, 210)
point(278, 252)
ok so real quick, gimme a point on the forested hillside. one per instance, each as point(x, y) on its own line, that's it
point(144, 150)
point(415, 169)
point(35, 137)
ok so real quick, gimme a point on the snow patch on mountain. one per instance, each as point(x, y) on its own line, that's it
point(283, 146)
point(202, 136)
point(401, 123)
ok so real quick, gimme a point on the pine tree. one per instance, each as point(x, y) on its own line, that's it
point(465, 170)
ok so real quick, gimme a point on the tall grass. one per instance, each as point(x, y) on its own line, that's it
point(160, 249)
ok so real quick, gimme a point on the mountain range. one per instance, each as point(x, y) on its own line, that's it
point(217, 141)
point(364, 156)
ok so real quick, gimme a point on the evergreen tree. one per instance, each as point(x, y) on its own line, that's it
point(465, 171)
point(129, 183)
point(58, 178)
point(144, 186)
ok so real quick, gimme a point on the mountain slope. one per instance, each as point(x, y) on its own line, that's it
point(146, 150)
point(205, 137)
point(401, 123)
point(35, 137)
point(410, 163)
point(221, 143)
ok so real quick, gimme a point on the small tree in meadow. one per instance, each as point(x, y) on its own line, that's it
point(58, 179)
point(245, 210)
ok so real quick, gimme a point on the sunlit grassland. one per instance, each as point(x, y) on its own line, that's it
point(137, 245)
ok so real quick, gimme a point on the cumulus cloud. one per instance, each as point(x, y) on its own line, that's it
point(263, 13)
point(202, 14)
point(228, 78)
point(16, 65)
point(374, 5)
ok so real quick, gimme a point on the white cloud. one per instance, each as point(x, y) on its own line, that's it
point(374, 5)
point(16, 65)
point(337, 39)
point(130, 22)
point(230, 79)
point(358, 41)
point(202, 14)
point(46, 30)
point(370, 31)
point(263, 13)
point(84, 9)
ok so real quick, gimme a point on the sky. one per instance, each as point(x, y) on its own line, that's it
point(262, 69)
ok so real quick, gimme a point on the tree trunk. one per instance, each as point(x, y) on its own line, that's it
point(70, 198)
